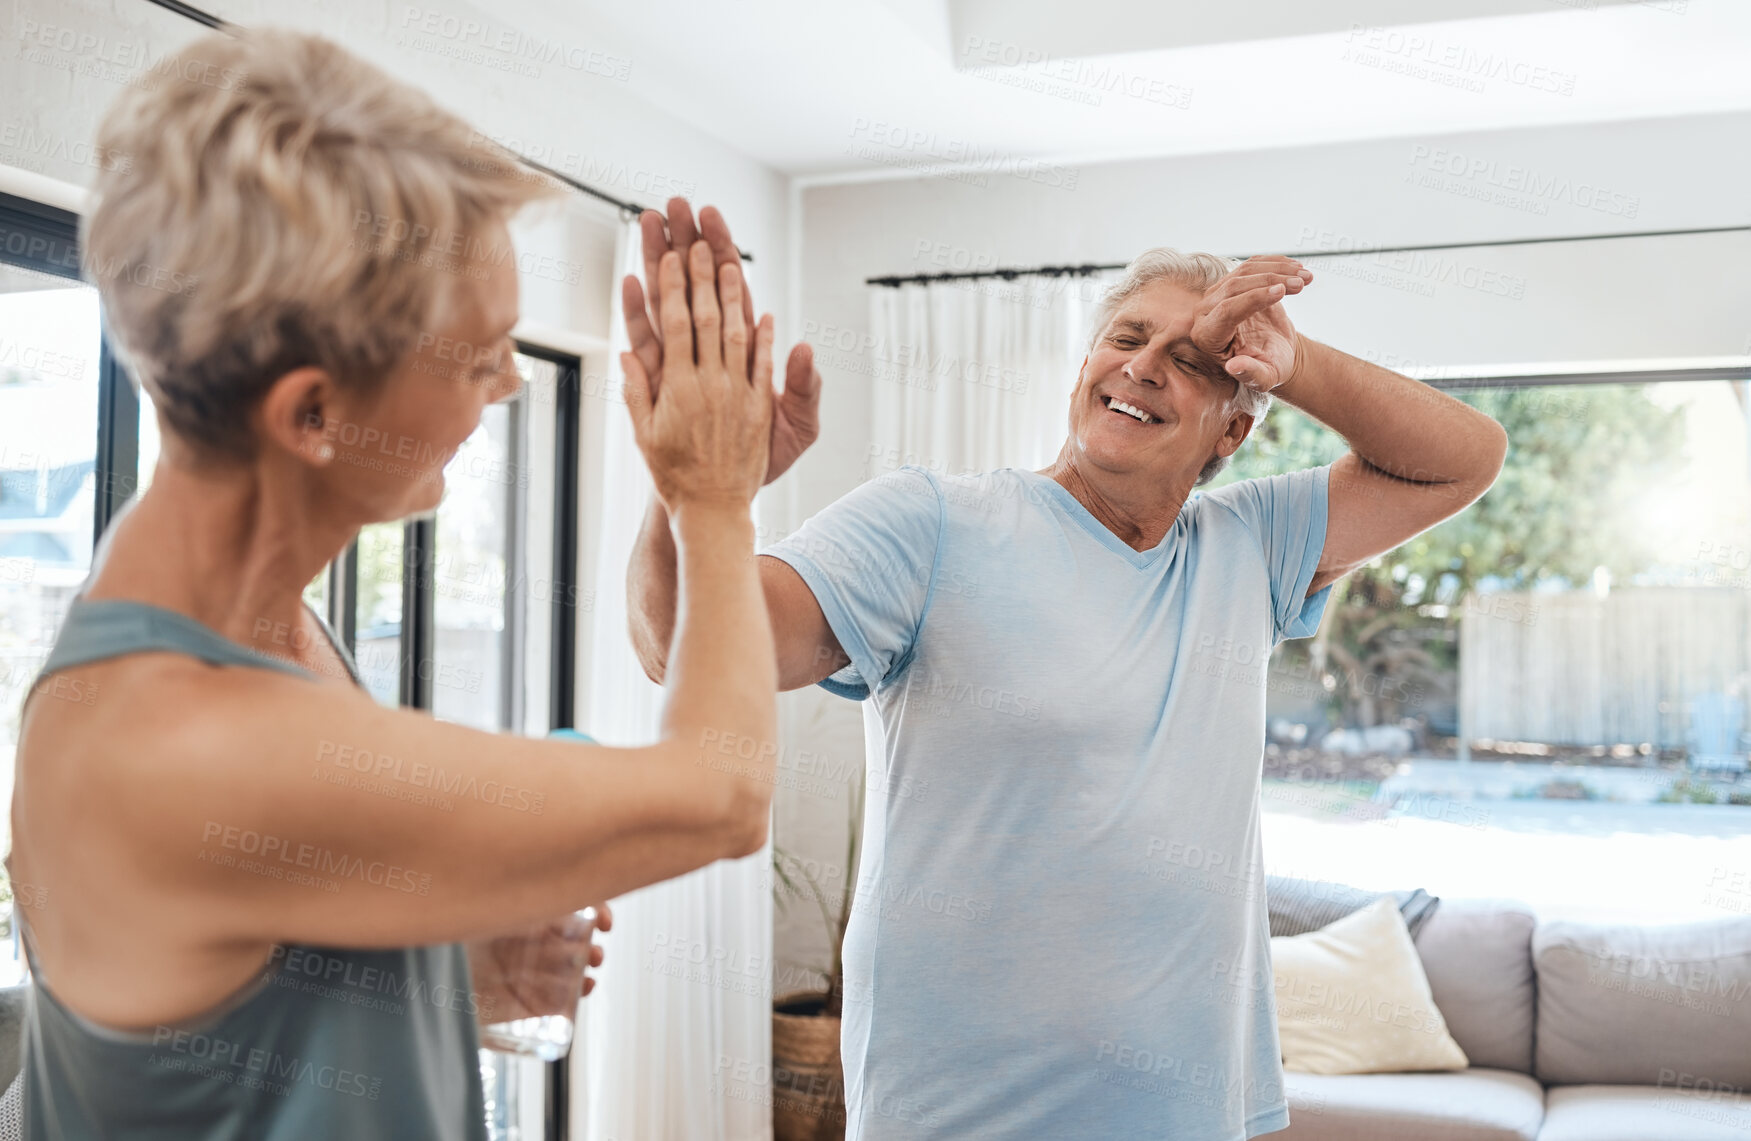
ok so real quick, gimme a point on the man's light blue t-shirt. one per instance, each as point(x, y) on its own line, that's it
point(1060, 927)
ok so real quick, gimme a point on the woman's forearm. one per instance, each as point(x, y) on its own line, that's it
point(722, 672)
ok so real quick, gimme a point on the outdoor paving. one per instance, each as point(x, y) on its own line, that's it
point(1501, 780)
point(1566, 859)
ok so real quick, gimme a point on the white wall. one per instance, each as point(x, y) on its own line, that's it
point(1625, 300)
point(64, 60)
point(1576, 301)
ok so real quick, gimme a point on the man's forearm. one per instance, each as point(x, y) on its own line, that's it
point(651, 591)
point(1398, 425)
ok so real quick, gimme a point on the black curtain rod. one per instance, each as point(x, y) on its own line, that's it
point(894, 282)
point(207, 19)
point(192, 13)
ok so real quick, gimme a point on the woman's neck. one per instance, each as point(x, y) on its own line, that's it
point(231, 547)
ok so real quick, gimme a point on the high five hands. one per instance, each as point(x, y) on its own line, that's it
point(1241, 321)
point(796, 411)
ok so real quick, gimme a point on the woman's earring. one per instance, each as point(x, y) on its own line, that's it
point(325, 452)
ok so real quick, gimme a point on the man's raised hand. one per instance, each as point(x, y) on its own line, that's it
point(1241, 321)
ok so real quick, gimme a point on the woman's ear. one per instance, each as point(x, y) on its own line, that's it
point(298, 415)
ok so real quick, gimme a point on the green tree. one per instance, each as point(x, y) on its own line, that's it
point(1575, 454)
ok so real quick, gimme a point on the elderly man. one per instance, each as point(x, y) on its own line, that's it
point(1060, 929)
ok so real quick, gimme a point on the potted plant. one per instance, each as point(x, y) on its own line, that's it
point(808, 1080)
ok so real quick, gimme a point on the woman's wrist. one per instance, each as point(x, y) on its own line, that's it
point(691, 515)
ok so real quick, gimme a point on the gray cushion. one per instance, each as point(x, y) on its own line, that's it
point(1478, 956)
point(1468, 1105)
point(13, 1000)
point(1634, 1005)
point(1297, 906)
point(1644, 1113)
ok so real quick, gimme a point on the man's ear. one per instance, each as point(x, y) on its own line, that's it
point(1235, 433)
point(299, 415)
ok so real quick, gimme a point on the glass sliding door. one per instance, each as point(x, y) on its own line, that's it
point(378, 609)
point(479, 665)
point(474, 675)
point(50, 356)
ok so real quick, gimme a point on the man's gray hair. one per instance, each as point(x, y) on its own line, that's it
point(1193, 271)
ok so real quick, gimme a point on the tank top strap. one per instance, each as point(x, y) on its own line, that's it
point(97, 629)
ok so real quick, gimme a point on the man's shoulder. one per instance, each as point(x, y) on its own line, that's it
point(960, 497)
point(1252, 500)
point(982, 495)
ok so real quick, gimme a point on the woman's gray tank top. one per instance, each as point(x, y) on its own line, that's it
point(328, 1043)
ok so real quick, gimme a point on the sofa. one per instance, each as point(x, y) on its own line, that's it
point(13, 1002)
point(1573, 1031)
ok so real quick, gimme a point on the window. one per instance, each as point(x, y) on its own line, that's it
point(51, 357)
point(476, 669)
point(452, 613)
point(378, 609)
point(474, 567)
point(1545, 696)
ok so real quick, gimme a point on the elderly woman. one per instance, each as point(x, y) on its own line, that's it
point(289, 259)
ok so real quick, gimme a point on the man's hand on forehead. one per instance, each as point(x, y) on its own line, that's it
point(1249, 290)
point(1241, 322)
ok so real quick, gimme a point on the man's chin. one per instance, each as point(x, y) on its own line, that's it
point(1103, 451)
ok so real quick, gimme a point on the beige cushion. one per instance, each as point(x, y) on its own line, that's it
point(1352, 999)
point(1471, 1105)
point(1680, 1112)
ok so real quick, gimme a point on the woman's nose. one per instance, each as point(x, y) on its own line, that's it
point(507, 382)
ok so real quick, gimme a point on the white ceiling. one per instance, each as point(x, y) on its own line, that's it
point(851, 89)
point(1110, 27)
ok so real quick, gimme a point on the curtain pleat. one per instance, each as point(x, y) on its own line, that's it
point(974, 375)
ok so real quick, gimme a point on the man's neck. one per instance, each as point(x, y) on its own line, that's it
point(1141, 516)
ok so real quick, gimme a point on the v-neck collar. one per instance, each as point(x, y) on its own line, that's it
point(1073, 507)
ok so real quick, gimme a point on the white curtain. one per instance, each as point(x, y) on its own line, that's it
point(684, 986)
point(973, 375)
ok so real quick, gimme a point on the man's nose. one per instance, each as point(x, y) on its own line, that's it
point(1145, 368)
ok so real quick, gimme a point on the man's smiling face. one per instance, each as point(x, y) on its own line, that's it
point(1150, 403)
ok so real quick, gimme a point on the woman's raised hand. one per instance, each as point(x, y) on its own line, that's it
point(796, 412)
point(705, 429)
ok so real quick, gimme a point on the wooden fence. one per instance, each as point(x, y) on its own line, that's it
point(1578, 669)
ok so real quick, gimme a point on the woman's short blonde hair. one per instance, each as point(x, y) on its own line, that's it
point(274, 201)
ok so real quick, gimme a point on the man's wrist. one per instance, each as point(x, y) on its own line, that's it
point(1302, 347)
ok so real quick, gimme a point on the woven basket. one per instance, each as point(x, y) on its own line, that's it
point(808, 1083)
